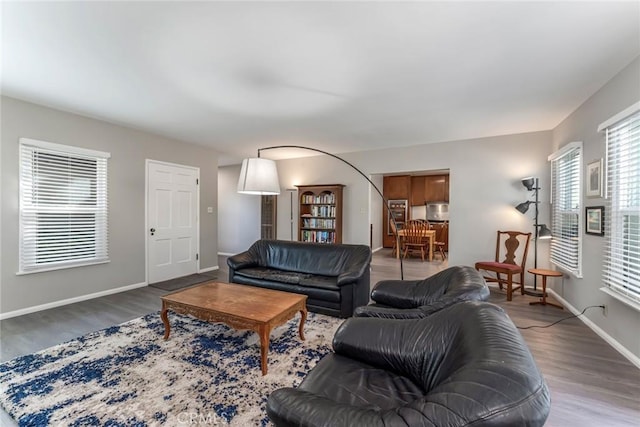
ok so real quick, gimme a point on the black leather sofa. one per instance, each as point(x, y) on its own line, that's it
point(465, 365)
point(414, 299)
point(335, 278)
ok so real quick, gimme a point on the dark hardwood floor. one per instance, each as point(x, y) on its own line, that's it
point(591, 383)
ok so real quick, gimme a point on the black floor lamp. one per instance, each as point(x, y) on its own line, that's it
point(541, 230)
point(260, 176)
point(291, 191)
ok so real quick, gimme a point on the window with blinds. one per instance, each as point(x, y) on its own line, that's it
point(622, 209)
point(566, 176)
point(63, 206)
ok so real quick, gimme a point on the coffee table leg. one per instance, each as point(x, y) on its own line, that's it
point(165, 320)
point(264, 333)
point(303, 317)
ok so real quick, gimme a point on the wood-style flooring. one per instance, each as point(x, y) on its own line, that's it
point(591, 383)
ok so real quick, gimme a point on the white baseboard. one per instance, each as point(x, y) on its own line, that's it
point(377, 249)
point(54, 304)
point(225, 254)
point(205, 270)
point(598, 330)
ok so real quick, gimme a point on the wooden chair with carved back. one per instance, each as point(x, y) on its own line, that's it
point(509, 271)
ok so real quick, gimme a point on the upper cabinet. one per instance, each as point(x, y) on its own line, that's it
point(436, 188)
point(429, 188)
point(417, 191)
point(397, 187)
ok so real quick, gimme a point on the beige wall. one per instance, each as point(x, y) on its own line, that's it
point(129, 149)
point(238, 214)
point(621, 322)
point(484, 188)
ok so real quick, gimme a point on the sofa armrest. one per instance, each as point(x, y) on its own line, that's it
point(353, 274)
point(383, 312)
point(242, 260)
point(396, 293)
point(295, 407)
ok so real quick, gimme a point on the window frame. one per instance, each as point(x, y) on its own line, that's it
point(29, 208)
point(557, 243)
point(614, 266)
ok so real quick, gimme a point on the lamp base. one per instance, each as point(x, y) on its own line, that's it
point(533, 292)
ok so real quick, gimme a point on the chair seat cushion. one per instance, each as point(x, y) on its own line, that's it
point(354, 383)
point(498, 266)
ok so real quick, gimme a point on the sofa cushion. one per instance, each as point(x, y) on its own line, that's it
point(290, 277)
point(331, 295)
point(350, 382)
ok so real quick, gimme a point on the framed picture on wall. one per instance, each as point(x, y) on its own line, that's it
point(595, 220)
point(594, 179)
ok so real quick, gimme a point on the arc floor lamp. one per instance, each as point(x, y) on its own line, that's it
point(541, 230)
point(260, 177)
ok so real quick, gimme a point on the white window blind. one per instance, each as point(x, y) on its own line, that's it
point(63, 206)
point(622, 214)
point(566, 176)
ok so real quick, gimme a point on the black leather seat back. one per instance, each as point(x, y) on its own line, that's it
point(311, 258)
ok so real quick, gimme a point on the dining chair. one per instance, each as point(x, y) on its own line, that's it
point(394, 231)
point(439, 243)
point(509, 272)
point(414, 238)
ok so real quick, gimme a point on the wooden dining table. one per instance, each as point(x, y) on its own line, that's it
point(428, 234)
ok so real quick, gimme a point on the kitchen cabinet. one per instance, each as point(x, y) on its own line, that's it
point(437, 188)
point(396, 187)
point(429, 188)
point(417, 191)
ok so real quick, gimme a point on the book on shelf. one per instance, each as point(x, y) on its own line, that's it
point(318, 223)
point(318, 236)
point(323, 211)
point(310, 199)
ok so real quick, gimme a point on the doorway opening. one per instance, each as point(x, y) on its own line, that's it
point(268, 217)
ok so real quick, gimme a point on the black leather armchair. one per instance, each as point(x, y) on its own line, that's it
point(414, 299)
point(466, 365)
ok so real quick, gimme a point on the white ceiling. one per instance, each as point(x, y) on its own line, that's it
point(339, 76)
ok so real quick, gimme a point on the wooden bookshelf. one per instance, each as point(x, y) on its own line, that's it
point(320, 213)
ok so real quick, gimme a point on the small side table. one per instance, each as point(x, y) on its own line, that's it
point(545, 273)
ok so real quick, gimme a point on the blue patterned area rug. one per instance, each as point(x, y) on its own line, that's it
point(127, 375)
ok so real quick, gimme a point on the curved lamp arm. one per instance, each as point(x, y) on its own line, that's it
point(384, 200)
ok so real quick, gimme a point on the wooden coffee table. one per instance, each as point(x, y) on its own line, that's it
point(238, 306)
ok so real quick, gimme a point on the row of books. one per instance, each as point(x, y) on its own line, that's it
point(322, 198)
point(318, 223)
point(326, 211)
point(318, 236)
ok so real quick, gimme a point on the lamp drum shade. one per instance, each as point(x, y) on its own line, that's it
point(258, 176)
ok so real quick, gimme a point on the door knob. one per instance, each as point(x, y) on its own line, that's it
point(153, 230)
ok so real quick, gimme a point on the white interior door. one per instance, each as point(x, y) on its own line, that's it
point(172, 221)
